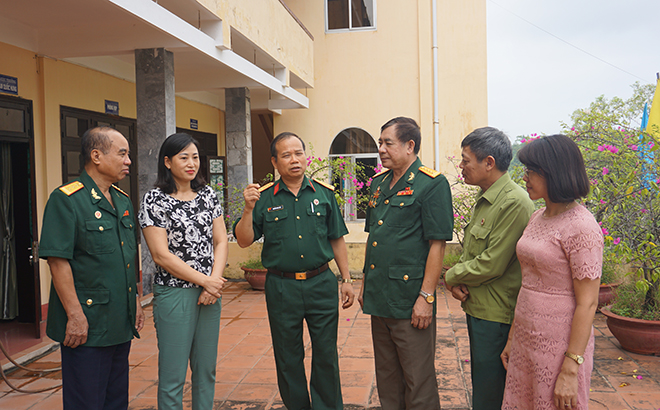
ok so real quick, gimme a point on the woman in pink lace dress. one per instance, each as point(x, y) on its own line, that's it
point(549, 355)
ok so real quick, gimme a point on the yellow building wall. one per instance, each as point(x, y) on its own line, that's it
point(365, 78)
point(270, 26)
point(50, 84)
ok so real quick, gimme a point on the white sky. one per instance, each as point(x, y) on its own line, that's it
point(536, 80)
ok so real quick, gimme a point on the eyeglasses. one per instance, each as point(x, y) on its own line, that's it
point(533, 171)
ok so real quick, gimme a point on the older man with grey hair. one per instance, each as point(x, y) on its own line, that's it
point(487, 278)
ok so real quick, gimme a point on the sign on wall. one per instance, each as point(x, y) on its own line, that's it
point(111, 107)
point(193, 124)
point(8, 84)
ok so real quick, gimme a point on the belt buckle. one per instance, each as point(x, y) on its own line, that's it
point(301, 275)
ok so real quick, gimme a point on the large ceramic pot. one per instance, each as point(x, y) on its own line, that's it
point(255, 277)
point(635, 335)
point(606, 293)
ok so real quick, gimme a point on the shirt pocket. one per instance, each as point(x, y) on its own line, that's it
point(479, 237)
point(405, 281)
point(129, 227)
point(95, 303)
point(275, 225)
point(100, 237)
point(401, 211)
point(318, 219)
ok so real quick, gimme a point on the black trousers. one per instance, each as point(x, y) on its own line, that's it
point(95, 378)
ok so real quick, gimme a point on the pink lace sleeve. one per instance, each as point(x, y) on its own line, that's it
point(584, 248)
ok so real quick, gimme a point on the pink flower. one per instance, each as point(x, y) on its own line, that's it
point(644, 211)
point(616, 241)
point(523, 140)
point(633, 147)
point(350, 200)
point(613, 150)
point(601, 148)
point(602, 201)
point(606, 171)
point(605, 232)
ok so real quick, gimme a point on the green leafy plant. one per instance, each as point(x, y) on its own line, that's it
point(351, 180)
point(623, 167)
point(253, 263)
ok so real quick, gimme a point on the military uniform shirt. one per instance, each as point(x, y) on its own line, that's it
point(99, 242)
point(401, 221)
point(297, 229)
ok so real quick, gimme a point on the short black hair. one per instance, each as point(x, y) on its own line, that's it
point(95, 138)
point(489, 141)
point(172, 145)
point(406, 130)
point(282, 136)
point(559, 160)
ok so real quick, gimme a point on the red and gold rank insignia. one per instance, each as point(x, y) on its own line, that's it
point(406, 191)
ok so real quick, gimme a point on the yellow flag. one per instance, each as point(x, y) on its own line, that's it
point(653, 126)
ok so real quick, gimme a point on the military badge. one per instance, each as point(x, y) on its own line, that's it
point(374, 197)
point(406, 191)
point(316, 201)
point(411, 177)
point(94, 194)
point(276, 208)
point(97, 214)
point(126, 213)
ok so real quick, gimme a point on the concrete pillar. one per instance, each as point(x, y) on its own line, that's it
point(239, 137)
point(154, 89)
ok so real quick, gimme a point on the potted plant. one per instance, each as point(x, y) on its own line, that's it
point(255, 273)
point(610, 280)
point(625, 199)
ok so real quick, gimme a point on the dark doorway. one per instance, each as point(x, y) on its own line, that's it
point(20, 287)
point(74, 122)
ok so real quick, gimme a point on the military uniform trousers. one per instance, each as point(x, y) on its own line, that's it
point(487, 340)
point(405, 364)
point(187, 332)
point(314, 300)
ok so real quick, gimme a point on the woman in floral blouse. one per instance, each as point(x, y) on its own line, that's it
point(181, 219)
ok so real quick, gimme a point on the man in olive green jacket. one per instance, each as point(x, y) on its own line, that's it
point(487, 278)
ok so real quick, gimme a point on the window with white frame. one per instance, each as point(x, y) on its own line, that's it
point(350, 15)
point(356, 147)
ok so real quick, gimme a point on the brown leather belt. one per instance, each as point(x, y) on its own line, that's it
point(300, 275)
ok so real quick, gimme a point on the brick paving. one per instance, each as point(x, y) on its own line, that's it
point(246, 369)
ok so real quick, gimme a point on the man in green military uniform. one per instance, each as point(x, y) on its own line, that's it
point(487, 278)
point(88, 238)
point(409, 220)
point(303, 230)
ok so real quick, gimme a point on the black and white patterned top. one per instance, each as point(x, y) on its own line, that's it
point(189, 226)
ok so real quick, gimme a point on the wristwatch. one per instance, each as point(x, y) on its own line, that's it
point(578, 359)
point(427, 296)
point(349, 280)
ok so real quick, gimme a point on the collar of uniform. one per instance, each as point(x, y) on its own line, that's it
point(101, 201)
point(493, 192)
point(281, 186)
point(404, 180)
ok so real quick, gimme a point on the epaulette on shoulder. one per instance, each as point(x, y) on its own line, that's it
point(119, 189)
point(381, 173)
point(72, 187)
point(265, 187)
point(325, 184)
point(430, 172)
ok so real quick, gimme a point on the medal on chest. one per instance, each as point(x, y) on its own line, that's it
point(374, 197)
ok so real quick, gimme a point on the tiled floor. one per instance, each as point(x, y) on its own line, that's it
point(246, 369)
